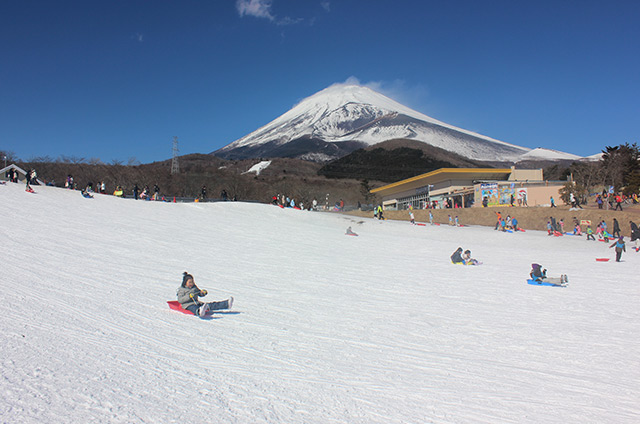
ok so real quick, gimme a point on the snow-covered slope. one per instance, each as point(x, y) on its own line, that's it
point(541, 153)
point(595, 157)
point(326, 328)
point(258, 167)
point(345, 113)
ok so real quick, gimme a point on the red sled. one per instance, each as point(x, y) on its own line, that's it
point(176, 306)
point(602, 259)
point(421, 224)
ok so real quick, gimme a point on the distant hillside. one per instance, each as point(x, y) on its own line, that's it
point(395, 160)
point(292, 177)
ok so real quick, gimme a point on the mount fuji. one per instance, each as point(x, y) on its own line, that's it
point(342, 118)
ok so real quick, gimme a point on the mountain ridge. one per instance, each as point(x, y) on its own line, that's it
point(363, 117)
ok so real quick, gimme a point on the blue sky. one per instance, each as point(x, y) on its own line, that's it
point(118, 79)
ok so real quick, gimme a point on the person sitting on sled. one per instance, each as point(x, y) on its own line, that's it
point(188, 294)
point(539, 274)
point(467, 259)
point(456, 258)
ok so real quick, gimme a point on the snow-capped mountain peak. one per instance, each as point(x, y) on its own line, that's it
point(344, 117)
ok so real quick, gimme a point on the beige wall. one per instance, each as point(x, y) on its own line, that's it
point(540, 195)
point(526, 175)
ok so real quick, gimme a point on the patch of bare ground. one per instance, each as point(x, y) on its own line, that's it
point(529, 218)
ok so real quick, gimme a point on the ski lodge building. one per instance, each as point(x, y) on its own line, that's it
point(468, 187)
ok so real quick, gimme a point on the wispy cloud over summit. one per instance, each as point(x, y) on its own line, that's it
point(255, 8)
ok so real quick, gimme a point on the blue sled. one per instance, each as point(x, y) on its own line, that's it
point(543, 283)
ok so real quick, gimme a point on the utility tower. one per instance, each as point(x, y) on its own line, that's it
point(175, 167)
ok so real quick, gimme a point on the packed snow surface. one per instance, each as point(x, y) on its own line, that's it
point(541, 153)
point(326, 328)
point(259, 167)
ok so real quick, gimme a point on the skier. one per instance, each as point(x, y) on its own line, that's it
point(188, 294)
point(430, 218)
point(619, 245)
point(412, 218)
point(456, 258)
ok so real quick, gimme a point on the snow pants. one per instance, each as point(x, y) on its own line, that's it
point(213, 306)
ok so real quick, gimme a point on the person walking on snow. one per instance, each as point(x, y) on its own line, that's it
point(499, 217)
point(635, 235)
point(616, 228)
point(619, 245)
point(590, 233)
point(188, 294)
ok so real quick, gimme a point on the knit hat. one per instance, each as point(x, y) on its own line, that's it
point(186, 277)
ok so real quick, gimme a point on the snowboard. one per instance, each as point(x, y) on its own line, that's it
point(553, 282)
point(602, 259)
point(29, 190)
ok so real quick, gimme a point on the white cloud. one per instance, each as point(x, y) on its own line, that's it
point(255, 8)
point(415, 96)
point(326, 6)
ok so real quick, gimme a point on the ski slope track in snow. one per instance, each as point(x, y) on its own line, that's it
point(325, 328)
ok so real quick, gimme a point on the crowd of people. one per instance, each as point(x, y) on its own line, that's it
point(507, 223)
point(285, 201)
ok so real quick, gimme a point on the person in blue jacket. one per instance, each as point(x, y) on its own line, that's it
point(188, 294)
point(620, 247)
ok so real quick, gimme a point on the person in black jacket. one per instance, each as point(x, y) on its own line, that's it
point(616, 228)
point(635, 235)
point(456, 258)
